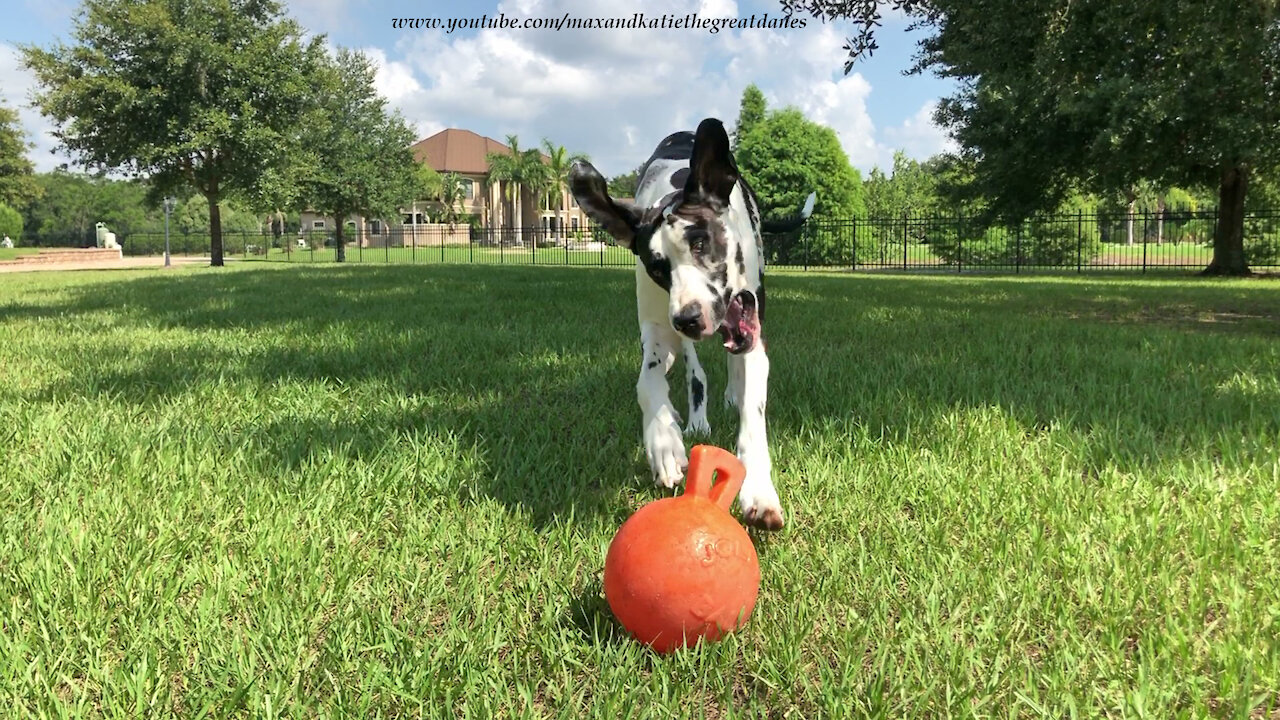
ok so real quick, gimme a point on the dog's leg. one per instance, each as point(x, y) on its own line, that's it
point(758, 498)
point(697, 391)
point(663, 442)
point(733, 388)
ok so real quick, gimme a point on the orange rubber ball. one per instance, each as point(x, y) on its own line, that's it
point(683, 568)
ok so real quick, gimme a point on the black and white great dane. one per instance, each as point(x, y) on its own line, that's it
point(695, 229)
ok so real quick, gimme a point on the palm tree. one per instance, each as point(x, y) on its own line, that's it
point(558, 169)
point(515, 170)
point(450, 195)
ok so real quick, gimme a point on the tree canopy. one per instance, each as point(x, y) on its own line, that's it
point(519, 169)
point(911, 189)
point(1059, 96)
point(18, 186)
point(1189, 95)
point(211, 95)
point(750, 112)
point(363, 164)
point(787, 156)
point(624, 185)
point(784, 157)
point(10, 222)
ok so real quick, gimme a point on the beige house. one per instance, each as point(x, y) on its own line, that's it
point(464, 153)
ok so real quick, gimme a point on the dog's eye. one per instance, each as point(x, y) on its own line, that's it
point(696, 238)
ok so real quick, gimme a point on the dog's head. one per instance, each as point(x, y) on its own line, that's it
point(689, 241)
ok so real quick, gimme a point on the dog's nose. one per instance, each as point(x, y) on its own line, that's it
point(689, 320)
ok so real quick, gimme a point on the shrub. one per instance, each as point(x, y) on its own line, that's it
point(10, 223)
point(1262, 239)
point(1051, 240)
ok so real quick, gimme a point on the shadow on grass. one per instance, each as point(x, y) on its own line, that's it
point(533, 369)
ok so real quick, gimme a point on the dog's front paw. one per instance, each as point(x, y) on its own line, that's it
point(759, 502)
point(665, 448)
point(698, 425)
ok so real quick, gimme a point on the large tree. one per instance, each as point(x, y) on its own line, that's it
point(18, 187)
point(210, 95)
point(785, 157)
point(1191, 97)
point(1060, 95)
point(750, 113)
point(363, 162)
point(910, 190)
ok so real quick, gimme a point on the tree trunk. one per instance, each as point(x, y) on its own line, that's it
point(1160, 208)
point(341, 254)
point(517, 212)
point(1133, 204)
point(1228, 238)
point(215, 230)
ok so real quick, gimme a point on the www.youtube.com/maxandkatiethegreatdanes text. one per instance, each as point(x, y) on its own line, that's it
point(635, 22)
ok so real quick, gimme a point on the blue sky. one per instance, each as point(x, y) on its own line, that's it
point(610, 93)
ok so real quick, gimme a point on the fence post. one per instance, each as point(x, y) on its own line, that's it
point(1017, 253)
point(960, 225)
point(804, 233)
point(1146, 217)
point(1079, 240)
point(904, 241)
point(853, 267)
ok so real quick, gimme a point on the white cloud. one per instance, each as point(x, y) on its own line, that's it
point(16, 85)
point(611, 93)
point(392, 79)
point(918, 136)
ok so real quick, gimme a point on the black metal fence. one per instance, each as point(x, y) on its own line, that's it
point(939, 243)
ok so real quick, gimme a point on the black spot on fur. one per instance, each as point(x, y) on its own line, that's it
point(753, 204)
point(760, 303)
point(679, 178)
point(740, 260)
point(652, 364)
point(659, 269)
point(676, 146)
point(697, 391)
point(719, 278)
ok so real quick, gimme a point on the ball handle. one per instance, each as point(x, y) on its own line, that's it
point(705, 460)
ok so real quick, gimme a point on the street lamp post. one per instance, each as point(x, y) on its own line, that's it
point(168, 208)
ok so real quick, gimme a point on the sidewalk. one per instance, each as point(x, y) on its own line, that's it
point(126, 263)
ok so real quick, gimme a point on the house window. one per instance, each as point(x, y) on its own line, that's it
point(469, 189)
point(408, 219)
point(375, 227)
point(422, 219)
point(317, 224)
point(573, 223)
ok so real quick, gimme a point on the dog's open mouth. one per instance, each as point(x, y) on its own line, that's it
point(741, 327)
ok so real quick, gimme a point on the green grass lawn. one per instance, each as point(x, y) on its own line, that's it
point(16, 252)
point(611, 256)
point(317, 491)
point(917, 256)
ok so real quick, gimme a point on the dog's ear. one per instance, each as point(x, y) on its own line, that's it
point(712, 170)
point(619, 219)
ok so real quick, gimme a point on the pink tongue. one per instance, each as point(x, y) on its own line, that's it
point(741, 326)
